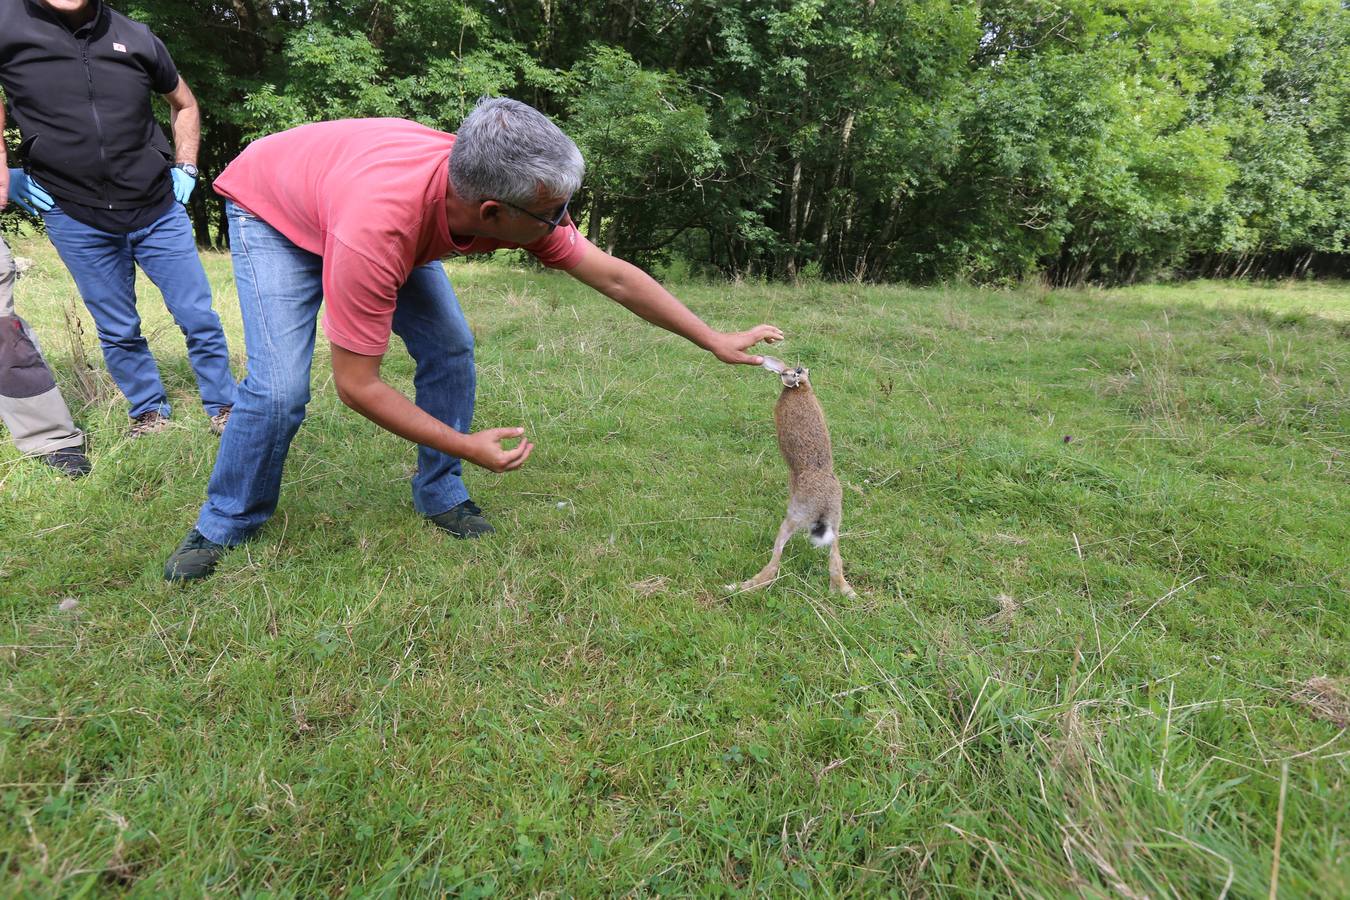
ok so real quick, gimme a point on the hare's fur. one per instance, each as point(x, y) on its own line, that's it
point(815, 500)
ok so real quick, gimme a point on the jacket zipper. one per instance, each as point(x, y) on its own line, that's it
point(98, 124)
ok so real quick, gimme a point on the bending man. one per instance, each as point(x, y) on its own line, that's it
point(356, 215)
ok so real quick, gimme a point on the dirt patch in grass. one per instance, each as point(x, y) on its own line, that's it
point(1325, 698)
point(1007, 609)
point(656, 584)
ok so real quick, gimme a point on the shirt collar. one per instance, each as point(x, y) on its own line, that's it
point(61, 20)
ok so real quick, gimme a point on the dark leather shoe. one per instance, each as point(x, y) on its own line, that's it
point(68, 461)
point(463, 521)
point(195, 558)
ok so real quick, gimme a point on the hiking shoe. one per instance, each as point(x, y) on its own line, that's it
point(151, 422)
point(195, 558)
point(68, 461)
point(220, 420)
point(463, 521)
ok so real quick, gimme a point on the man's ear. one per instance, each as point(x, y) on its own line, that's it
point(489, 210)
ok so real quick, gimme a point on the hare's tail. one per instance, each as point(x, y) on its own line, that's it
point(822, 533)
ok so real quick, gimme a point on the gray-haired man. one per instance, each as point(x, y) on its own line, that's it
point(356, 214)
point(30, 403)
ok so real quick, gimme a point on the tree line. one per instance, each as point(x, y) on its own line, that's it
point(881, 140)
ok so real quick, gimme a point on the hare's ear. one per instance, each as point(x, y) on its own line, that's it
point(774, 365)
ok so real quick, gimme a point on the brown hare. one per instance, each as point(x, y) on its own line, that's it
point(815, 500)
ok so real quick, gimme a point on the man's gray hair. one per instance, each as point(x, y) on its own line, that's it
point(506, 150)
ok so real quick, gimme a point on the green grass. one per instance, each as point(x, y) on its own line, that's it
point(1075, 667)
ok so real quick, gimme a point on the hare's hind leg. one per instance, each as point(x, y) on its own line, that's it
point(837, 580)
point(770, 572)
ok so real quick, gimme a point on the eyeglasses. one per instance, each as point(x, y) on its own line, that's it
point(551, 223)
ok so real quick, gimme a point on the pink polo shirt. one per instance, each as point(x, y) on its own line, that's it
point(368, 195)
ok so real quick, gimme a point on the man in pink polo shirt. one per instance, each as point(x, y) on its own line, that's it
point(356, 215)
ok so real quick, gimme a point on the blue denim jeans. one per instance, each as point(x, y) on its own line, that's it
point(104, 268)
point(280, 290)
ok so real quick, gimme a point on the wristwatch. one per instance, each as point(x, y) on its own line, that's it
point(188, 168)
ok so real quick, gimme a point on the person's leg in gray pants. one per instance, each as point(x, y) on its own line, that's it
point(30, 403)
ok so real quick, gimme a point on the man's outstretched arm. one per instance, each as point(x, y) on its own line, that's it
point(640, 293)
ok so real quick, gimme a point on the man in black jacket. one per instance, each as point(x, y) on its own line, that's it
point(78, 77)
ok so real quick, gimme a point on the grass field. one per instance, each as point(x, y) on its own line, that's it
point(1101, 644)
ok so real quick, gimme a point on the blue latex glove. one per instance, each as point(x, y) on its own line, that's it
point(183, 183)
point(26, 192)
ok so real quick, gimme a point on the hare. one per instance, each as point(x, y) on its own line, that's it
point(815, 500)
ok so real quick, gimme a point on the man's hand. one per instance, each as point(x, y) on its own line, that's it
point(484, 448)
point(730, 348)
point(27, 193)
point(357, 378)
point(183, 183)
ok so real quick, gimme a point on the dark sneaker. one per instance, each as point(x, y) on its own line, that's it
point(68, 461)
point(220, 420)
point(195, 558)
point(150, 422)
point(463, 521)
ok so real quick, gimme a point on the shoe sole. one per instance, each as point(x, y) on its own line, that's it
point(183, 579)
point(468, 536)
point(461, 535)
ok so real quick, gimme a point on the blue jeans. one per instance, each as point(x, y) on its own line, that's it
point(280, 290)
point(104, 268)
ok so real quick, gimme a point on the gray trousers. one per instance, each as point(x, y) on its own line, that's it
point(30, 403)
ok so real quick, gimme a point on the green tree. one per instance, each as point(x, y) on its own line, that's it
point(648, 152)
